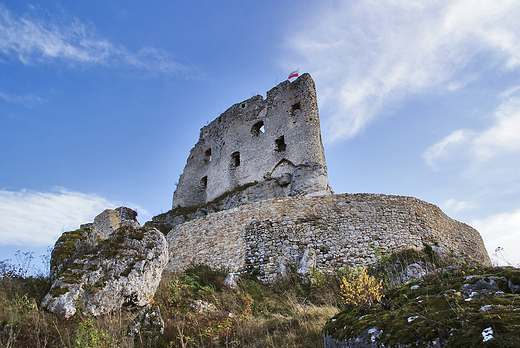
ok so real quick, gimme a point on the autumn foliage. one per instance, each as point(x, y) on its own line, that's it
point(360, 289)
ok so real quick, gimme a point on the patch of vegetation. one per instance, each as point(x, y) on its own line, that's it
point(72, 274)
point(391, 265)
point(58, 290)
point(66, 245)
point(91, 288)
point(88, 335)
point(75, 266)
point(187, 211)
point(113, 246)
point(287, 314)
point(127, 271)
point(99, 284)
point(361, 290)
point(433, 256)
point(72, 278)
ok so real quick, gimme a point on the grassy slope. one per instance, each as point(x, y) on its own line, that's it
point(287, 314)
point(284, 315)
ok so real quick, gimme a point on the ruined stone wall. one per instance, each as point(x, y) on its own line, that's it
point(273, 144)
point(332, 231)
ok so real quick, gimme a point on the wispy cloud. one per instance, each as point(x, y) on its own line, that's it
point(503, 136)
point(452, 205)
point(500, 139)
point(372, 54)
point(438, 150)
point(35, 39)
point(29, 98)
point(31, 218)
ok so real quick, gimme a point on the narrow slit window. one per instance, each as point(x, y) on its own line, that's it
point(204, 182)
point(258, 128)
point(280, 144)
point(207, 155)
point(235, 159)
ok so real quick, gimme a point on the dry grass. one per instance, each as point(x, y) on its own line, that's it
point(287, 314)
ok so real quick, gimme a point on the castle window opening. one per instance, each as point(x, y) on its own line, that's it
point(280, 144)
point(235, 159)
point(204, 182)
point(296, 106)
point(258, 128)
point(207, 156)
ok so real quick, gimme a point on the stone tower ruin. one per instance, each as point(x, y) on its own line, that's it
point(258, 149)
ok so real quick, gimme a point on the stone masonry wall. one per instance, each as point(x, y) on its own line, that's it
point(272, 143)
point(332, 231)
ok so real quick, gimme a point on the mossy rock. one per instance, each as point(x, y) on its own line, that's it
point(128, 270)
point(58, 290)
point(66, 245)
point(435, 310)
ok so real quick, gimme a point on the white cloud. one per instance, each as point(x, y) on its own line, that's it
point(454, 206)
point(31, 218)
point(32, 40)
point(500, 139)
point(439, 149)
point(503, 136)
point(373, 53)
point(501, 230)
point(30, 98)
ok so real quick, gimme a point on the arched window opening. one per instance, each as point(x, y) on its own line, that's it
point(280, 144)
point(204, 182)
point(207, 155)
point(235, 159)
point(258, 128)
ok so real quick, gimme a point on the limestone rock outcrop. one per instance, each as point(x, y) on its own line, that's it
point(103, 266)
point(149, 323)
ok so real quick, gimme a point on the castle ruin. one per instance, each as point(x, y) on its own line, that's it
point(254, 197)
point(269, 147)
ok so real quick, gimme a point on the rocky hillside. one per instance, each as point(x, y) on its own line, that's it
point(454, 307)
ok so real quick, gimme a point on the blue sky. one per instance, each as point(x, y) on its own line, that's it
point(101, 102)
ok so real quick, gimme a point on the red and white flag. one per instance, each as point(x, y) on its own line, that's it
point(294, 74)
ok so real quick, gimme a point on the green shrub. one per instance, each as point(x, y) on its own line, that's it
point(361, 289)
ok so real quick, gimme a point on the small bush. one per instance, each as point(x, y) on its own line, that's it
point(360, 289)
point(89, 336)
